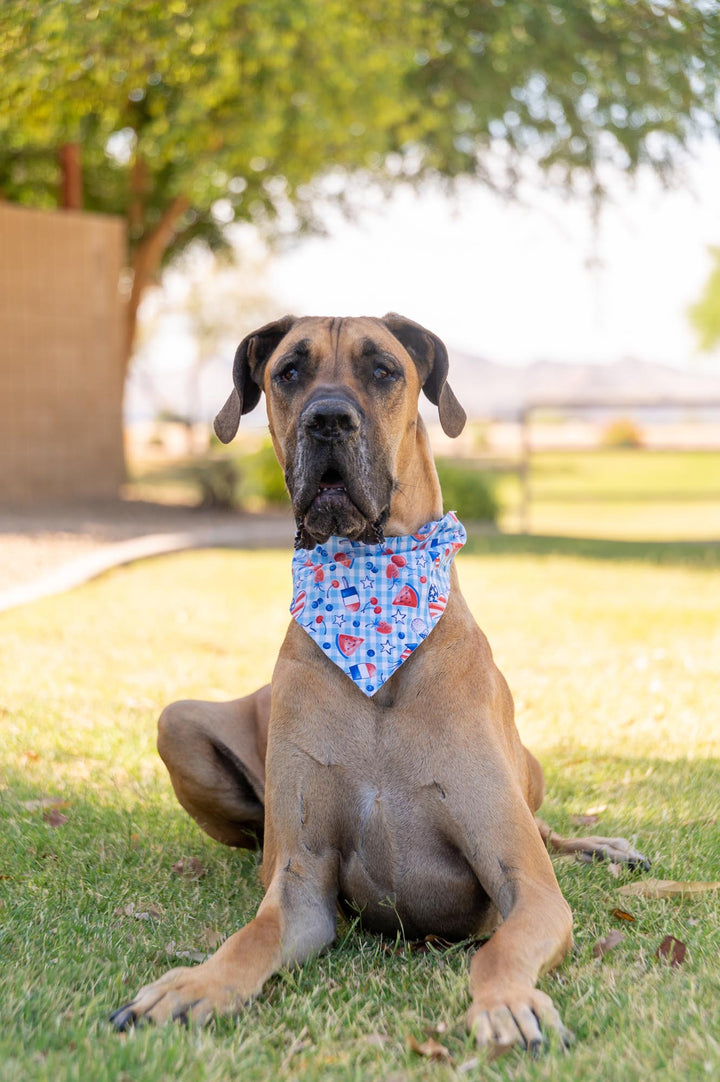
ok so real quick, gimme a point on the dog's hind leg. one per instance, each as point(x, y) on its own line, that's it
point(617, 850)
point(215, 754)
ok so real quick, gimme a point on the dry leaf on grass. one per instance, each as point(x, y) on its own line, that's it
point(671, 950)
point(173, 951)
point(430, 1049)
point(55, 818)
point(621, 914)
point(613, 939)
point(665, 888)
point(586, 820)
point(150, 912)
point(211, 938)
point(189, 868)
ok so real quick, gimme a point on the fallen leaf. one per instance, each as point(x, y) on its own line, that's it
point(55, 818)
point(430, 1048)
point(671, 950)
point(211, 938)
point(189, 868)
point(613, 939)
point(620, 914)
point(665, 888)
point(171, 950)
point(429, 943)
point(597, 810)
point(150, 912)
point(584, 820)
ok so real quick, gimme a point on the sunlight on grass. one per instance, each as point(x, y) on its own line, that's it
point(613, 659)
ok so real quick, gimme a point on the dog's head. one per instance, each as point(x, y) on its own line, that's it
point(342, 400)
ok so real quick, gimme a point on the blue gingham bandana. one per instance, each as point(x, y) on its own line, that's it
point(369, 606)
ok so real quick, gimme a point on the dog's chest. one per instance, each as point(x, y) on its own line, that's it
point(398, 868)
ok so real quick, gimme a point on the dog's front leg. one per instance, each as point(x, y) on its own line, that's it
point(295, 920)
point(513, 866)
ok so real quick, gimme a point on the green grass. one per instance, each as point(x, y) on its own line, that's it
point(612, 652)
point(637, 494)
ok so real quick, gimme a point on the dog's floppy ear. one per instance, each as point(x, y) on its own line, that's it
point(431, 359)
point(250, 357)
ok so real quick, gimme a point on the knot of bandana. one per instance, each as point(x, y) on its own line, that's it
point(369, 606)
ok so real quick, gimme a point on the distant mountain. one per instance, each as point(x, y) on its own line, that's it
point(487, 389)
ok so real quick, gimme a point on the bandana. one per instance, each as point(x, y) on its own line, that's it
point(369, 606)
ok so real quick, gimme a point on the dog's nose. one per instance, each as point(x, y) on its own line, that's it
point(331, 419)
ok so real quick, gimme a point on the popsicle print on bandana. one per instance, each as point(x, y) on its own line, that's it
point(368, 607)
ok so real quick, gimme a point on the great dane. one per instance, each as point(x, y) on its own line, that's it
point(412, 801)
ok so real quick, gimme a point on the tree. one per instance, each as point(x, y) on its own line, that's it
point(191, 114)
point(705, 313)
point(212, 302)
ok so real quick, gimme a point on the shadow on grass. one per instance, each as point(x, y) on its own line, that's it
point(703, 554)
point(674, 805)
point(93, 910)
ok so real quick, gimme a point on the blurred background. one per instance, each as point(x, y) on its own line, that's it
point(538, 183)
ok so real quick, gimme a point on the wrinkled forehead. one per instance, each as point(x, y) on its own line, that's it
point(334, 338)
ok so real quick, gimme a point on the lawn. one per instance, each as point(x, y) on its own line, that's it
point(619, 493)
point(612, 652)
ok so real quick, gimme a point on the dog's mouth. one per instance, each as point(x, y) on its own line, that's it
point(331, 507)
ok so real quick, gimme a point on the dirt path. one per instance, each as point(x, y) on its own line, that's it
point(53, 548)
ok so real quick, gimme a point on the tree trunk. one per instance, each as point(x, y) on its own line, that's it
point(148, 256)
point(71, 176)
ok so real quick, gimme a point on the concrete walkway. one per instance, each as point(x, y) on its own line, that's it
point(34, 545)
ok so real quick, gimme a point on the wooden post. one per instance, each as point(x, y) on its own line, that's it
point(71, 176)
point(525, 453)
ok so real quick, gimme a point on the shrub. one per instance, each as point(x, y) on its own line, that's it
point(217, 479)
point(468, 491)
point(622, 432)
point(263, 483)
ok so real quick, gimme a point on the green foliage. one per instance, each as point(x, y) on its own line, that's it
point(239, 105)
point(622, 432)
point(468, 491)
point(263, 483)
point(247, 481)
point(705, 314)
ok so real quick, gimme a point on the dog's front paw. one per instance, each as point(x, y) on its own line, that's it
point(187, 994)
point(518, 1016)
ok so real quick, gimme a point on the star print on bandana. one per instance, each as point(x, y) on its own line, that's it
point(368, 607)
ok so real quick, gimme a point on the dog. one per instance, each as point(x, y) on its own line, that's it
point(397, 784)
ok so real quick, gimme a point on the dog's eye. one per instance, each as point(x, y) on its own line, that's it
point(288, 374)
point(382, 372)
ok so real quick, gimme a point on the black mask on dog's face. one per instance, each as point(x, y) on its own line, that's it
point(338, 394)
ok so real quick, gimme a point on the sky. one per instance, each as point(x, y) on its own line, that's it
point(512, 282)
point(521, 282)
